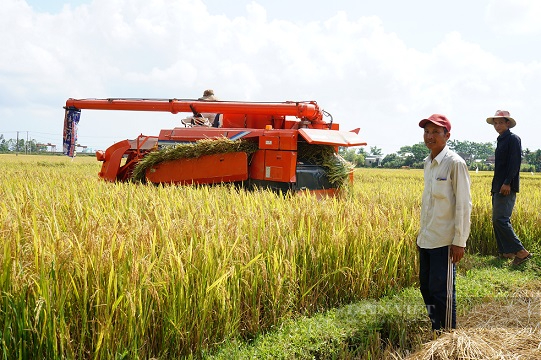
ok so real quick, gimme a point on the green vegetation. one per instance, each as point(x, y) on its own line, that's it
point(373, 329)
point(92, 269)
point(476, 155)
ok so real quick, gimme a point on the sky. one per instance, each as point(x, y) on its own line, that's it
point(380, 66)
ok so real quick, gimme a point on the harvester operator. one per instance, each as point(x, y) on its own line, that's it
point(204, 119)
point(215, 120)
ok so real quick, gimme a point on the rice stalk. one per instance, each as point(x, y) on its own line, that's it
point(169, 272)
point(337, 168)
point(189, 151)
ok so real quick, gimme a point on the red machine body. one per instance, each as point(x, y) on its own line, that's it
point(277, 128)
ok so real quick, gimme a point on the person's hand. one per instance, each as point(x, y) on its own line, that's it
point(456, 253)
point(505, 190)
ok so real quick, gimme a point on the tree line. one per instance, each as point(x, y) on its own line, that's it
point(477, 156)
point(21, 145)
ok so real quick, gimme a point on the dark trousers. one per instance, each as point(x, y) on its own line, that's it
point(502, 208)
point(437, 282)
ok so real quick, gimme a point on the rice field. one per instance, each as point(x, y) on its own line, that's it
point(99, 270)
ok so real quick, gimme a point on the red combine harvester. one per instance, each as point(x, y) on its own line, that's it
point(284, 137)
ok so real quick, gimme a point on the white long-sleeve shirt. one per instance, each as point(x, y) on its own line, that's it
point(446, 203)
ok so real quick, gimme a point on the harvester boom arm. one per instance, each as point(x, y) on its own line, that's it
point(308, 110)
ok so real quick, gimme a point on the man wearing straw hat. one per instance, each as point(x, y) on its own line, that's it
point(204, 119)
point(505, 186)
point(445, 222)
point(213, 120)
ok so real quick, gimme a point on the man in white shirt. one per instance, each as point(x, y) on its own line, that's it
point(445, 222)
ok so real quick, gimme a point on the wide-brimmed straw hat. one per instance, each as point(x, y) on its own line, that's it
point(208, 95)
point(502, 114)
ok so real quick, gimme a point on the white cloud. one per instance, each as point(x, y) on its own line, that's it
point(363, 74)
point(514, 16)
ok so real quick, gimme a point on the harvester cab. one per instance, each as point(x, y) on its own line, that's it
point(283, 146)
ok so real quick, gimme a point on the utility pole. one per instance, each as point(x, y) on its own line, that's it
point(17, 145)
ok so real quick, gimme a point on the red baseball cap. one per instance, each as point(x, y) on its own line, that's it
point(437, 119)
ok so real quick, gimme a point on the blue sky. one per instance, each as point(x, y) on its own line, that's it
point(54, 6)
point(377, 65)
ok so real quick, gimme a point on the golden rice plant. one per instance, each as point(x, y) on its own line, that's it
point(92, 269)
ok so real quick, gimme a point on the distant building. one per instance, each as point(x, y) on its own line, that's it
point(373, 160)
point(467, 157)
